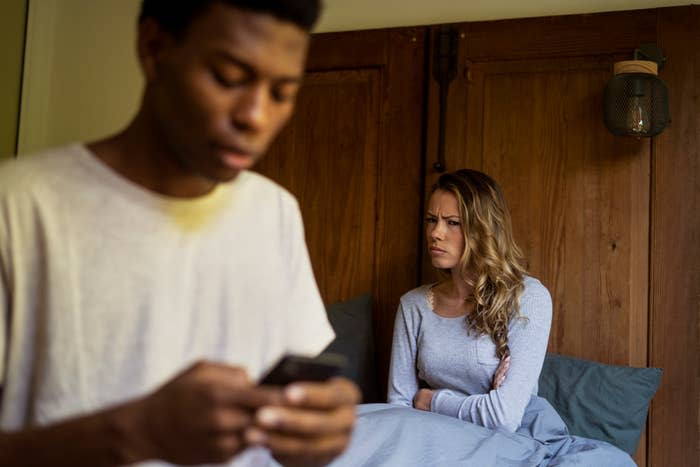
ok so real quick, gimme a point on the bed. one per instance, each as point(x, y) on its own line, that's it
point(587, 413)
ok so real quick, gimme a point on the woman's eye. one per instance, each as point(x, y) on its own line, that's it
point(453, 223)
point(430, 220)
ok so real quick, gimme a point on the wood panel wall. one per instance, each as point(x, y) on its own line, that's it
point(609, 224)
point(527, 110)
point(674, 427)
point(352, 155)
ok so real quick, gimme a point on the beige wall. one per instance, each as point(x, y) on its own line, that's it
point(12, 21)
point(81, 78)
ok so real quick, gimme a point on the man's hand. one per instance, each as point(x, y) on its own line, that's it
point(311, 426)
point(200, 415)
point(206, 414)
point(422, 399)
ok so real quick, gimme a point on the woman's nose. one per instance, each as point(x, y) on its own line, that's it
point(437, 233)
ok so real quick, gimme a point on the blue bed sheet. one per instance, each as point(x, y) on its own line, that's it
point(389, 435)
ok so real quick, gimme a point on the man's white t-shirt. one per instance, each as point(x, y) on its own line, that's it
point(108, 290)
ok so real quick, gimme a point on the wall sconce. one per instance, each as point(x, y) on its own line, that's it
point(636, 100)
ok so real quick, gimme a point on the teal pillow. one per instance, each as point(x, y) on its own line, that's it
point(354, 338)
point(599, 401)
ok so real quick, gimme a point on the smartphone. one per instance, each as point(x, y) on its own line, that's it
point(291, 368)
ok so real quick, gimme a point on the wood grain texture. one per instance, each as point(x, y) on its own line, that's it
point(609, 224)
point(529, 113)
point(400, 185)
point(561, 36)
point(349, 50)
point(338, 150)
point(574, 195)
point(352, 156)
point(675, 248)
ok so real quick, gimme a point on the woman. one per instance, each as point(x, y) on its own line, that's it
point(472, 345)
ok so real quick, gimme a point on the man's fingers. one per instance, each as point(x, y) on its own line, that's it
point(328, 395)
point(227, 421)
point(311, 425)
point(313, 450)
point(306, 422)
point(222, 448)
point(253, 397)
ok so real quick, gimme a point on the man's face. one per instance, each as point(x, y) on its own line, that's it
point(221, 93)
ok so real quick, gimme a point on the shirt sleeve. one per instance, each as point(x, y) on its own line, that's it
point(309, 331)
point(504, 407)
point(403, 378)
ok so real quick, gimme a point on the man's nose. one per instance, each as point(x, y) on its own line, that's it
point(251, 110)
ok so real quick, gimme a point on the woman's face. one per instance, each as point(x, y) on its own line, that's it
point(443, 230)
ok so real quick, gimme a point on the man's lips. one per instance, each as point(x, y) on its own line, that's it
point(234, 157)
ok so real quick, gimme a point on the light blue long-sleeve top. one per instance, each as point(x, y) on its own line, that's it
point(460, 365)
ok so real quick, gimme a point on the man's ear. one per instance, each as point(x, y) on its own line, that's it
point(152, 42)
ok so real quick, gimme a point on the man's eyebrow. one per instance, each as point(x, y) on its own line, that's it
point(250, 69)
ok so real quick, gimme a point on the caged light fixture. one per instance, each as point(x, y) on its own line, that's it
point(635, 99)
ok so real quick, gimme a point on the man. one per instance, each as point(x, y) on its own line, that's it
point(148, 279)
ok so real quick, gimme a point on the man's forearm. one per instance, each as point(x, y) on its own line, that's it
point(104, 439)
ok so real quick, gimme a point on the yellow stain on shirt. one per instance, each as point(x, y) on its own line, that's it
point(194, 215)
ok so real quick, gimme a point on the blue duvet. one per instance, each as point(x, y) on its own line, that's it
point(389, 435)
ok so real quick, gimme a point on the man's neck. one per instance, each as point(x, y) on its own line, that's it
point(140, 156)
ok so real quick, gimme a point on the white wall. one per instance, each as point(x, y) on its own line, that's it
point(81, 79)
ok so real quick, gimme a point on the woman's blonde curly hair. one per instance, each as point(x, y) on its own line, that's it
point(491, 262)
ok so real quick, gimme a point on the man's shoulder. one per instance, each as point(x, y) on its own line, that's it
point(33, 171)
point(261, 185)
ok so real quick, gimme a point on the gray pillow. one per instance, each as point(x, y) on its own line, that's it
point(599, 401)
point(352, 323)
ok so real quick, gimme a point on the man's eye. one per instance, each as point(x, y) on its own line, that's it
point(285, 92)
point(227, 81)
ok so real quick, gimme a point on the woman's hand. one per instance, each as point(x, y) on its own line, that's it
point(422, 399)
point(500, 375)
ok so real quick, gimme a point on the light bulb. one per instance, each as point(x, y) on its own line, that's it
point(638, 121)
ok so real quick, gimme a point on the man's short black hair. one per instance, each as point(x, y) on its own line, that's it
point(175, 16)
